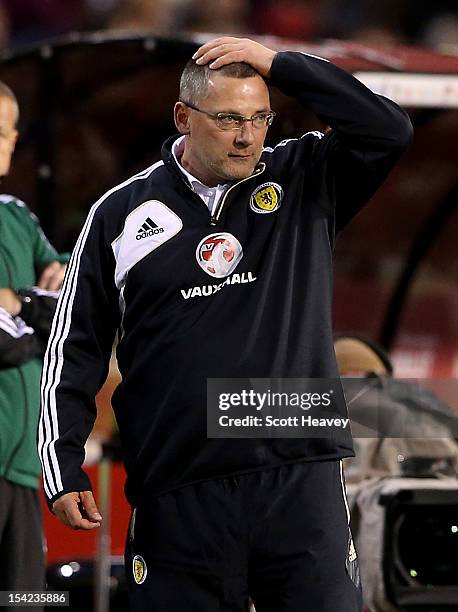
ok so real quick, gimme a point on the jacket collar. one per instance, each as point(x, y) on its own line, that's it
point(172, 166)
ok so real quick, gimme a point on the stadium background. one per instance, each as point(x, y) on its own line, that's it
point(86, 73)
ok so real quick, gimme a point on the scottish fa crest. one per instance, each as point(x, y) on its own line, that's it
point(266, 198)
point(139, 569)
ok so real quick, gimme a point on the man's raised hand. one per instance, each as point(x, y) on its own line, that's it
point(227, 50)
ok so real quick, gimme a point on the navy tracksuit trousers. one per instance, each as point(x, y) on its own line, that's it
point(278, 538)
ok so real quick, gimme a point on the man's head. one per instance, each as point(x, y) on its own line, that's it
point(358, 356)
point(212, 154)
point(9, 115)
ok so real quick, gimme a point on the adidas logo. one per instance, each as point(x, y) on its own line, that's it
point(149, 228)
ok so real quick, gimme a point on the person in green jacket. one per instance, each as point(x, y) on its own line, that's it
point(31, 273)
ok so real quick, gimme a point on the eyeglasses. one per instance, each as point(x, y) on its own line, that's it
point(234, 121)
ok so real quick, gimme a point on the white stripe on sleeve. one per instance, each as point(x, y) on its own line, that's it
point(48, 432)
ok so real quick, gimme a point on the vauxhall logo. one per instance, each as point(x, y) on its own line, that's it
point(149, 228)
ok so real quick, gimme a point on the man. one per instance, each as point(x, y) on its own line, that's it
point(30, 273)
point(216, 263)
point(393, 418)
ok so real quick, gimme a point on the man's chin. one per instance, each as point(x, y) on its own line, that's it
point(239, 171)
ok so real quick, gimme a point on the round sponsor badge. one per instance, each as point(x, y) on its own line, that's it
point(218, 254)
point(266, 198)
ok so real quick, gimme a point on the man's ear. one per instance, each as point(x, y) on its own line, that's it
point(181, 116)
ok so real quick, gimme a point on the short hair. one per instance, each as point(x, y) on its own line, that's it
point(6, 92)
point(194, 78)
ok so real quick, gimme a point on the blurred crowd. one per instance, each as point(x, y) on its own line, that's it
point(431, 24)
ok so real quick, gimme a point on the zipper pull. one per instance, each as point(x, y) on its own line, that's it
point(213, 221)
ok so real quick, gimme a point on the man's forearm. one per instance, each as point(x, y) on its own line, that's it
point(341, 101)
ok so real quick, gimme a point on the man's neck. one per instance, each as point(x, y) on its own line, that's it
point(185, 159)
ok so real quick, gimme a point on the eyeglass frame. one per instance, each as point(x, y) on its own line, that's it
point(216, 116)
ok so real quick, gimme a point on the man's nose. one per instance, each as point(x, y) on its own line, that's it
point(245, 135)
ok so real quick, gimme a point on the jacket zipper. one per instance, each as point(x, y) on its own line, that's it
point(214, 218)
point(219, 209)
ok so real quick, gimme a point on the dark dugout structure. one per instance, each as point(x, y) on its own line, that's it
point(95, 109)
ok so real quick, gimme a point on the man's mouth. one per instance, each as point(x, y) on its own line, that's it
point(239, 156)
